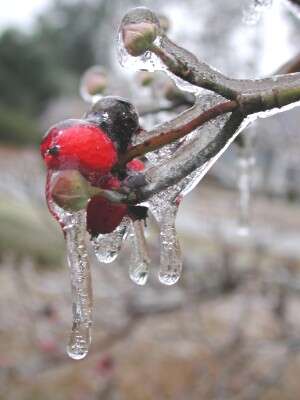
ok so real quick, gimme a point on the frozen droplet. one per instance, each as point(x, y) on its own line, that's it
point(108, 246)
point(254, 10)
point(79, 341)
point(139, 260)
point(93, 83)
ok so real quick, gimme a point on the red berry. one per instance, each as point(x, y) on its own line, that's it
point(75, 144)
point(104, 216)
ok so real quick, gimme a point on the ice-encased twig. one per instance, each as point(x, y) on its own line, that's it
point(139, 260)
point(185, 69)
point(107, 246)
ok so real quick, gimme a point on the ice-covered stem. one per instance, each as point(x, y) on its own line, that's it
point(246, 104)
point(160, 177)
point(141, 33)
point(187, 67)
point(171, 134)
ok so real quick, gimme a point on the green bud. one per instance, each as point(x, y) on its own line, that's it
point(70, 190)
point(139, 37)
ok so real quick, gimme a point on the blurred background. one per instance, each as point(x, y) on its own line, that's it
point(230, 329)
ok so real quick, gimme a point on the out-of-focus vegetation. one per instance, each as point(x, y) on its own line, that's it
point(46, 62)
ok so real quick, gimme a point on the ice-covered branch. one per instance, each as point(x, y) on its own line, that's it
point(168, 134)
point(141, 34)
point(193, 156)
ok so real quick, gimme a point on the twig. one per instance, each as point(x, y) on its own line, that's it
point(167, 137)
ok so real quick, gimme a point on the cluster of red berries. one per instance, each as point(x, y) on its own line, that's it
point(92, 146)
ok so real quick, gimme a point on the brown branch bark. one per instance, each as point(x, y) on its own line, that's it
point(164, 138)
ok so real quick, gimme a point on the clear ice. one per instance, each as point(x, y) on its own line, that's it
point(164, 207)
point(139, 259)
point(74, 227)
point(107, 246)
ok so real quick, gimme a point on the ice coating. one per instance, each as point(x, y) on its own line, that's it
point(108, 246)
point(188, 73)
point(254, 10)
point(139, 259)
point(147, 60)
point(74, 227)
point(93, 83)
point(164, 205)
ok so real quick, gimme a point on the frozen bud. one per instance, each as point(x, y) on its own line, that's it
point(145, 78)
point(70, 190)
point(172, 93)
point(164, 23)
point(139, 28)
point(93, 83)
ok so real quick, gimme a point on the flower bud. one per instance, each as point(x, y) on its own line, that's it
point(139, 29)
point(70, 190)
point(145, 78)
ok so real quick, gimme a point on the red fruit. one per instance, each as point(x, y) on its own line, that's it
point(75, 144)
point(103, 216)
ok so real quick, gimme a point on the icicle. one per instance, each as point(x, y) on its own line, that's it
point(74, 227)
point(81, 287)
point(93, 83)
point(139, 261)
point(164, 208)
point(108, 246)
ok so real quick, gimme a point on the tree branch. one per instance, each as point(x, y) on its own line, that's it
point(170, 136)
point(186, 66)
